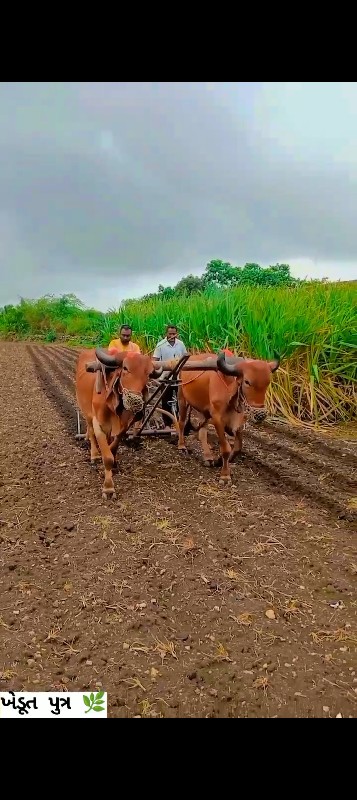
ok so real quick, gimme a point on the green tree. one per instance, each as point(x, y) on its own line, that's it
point(221, 274)
point(191, 284)
point(166, 291)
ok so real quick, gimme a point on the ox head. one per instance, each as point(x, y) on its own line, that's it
point(135, 371)
point(255, 377)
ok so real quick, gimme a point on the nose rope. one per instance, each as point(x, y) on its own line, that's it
point(185, 383)
point(258, 414)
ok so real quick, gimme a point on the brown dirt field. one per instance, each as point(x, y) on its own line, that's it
point(161, 597)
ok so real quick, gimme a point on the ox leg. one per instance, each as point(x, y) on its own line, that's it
point(238, 428)
point(114, 449)
point(237, 446)
point(94, 452)
point(224, 447)
point(208, 456)
point(108, 461)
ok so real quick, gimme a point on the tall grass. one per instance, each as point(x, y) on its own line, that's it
point(313, 327)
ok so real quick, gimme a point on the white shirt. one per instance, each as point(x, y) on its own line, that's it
point(164, 350)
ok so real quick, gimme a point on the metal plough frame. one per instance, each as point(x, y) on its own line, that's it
point(151, 406)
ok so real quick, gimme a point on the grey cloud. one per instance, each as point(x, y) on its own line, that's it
point(118, 180)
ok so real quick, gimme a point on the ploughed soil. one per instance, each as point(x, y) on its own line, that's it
point(181, 598)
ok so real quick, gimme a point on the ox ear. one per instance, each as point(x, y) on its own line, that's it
point(228, 369)
point(93, 366)
point(109, 361)
point(274, 365)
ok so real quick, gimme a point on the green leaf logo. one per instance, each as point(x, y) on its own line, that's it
point(93, 702)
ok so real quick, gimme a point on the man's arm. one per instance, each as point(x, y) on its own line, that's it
point(157, 352)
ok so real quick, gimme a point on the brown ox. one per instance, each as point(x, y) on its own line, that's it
point(228, 397)
point(110, 401)
point(110, 392)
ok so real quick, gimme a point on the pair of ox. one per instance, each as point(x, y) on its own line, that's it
point(111, 391)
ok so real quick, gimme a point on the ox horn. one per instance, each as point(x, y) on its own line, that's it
point(156, 373)
point(107, 360)
point(229, 369)
point(274, 365)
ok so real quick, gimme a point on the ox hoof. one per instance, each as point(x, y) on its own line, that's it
point(209, 462)
point(94, 462)
point(108, 494)
point(224, 480)
point(218, 462)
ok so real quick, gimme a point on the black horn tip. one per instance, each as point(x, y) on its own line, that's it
point(108, 360)
point(276, 363)
point(222, 364)
point(102, 353)
point(156, 372)
point(229, 366)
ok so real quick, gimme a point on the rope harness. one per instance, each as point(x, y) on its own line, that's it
point(251, 412)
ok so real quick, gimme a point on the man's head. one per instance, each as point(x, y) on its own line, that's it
point(125, 334)
point(171, 333)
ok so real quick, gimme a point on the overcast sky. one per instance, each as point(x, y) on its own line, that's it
point(108, 189)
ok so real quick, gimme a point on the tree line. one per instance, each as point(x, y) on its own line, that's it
point(223, 275)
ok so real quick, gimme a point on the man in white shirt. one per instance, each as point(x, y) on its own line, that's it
point(166, 349)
